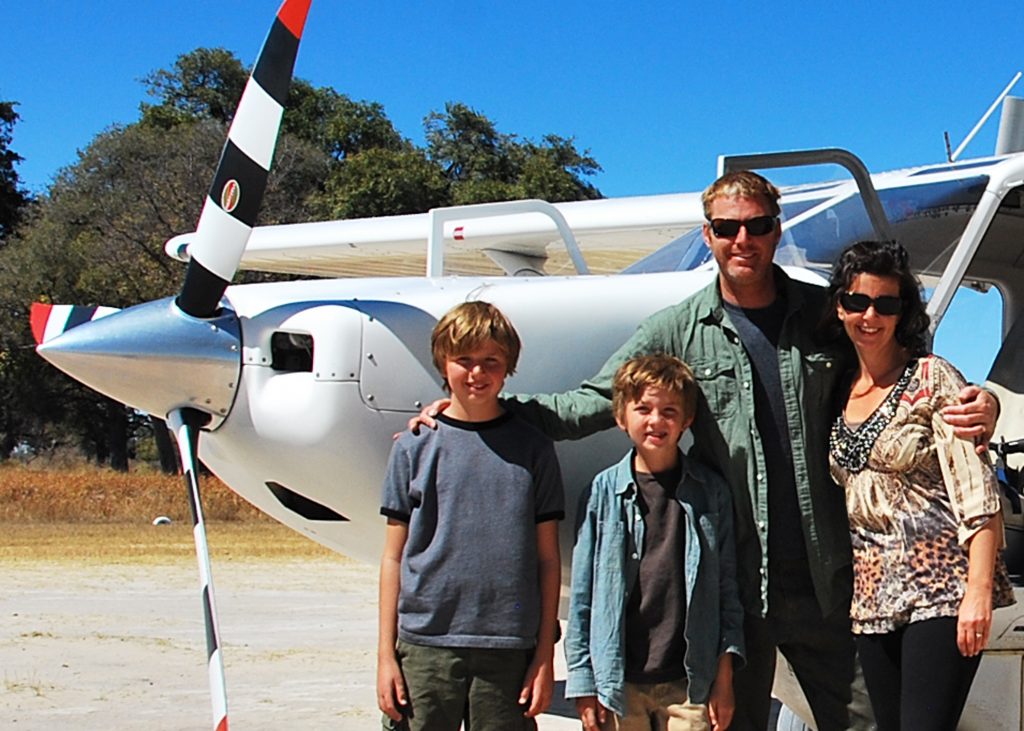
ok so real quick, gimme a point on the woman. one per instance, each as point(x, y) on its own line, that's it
point(924, 507)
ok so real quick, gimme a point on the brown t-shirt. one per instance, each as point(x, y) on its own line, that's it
point(656, 611)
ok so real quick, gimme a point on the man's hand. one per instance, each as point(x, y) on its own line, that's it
point(974, 418)
point(722, 703)
point(721, 706)
point(592, 714)
point(426, 416)
point(538, 686)
point(391, 697)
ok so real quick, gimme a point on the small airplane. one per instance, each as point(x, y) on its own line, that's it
point(290, 392)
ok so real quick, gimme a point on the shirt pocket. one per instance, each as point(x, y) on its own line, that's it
point(610, 566)
point(821, 371)
point(611, 537)
point(717, 382)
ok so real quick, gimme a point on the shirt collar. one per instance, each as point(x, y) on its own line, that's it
point(624, 481)
point(713, 307)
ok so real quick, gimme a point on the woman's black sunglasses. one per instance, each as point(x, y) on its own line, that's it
point(887, 304)
point(729, 227)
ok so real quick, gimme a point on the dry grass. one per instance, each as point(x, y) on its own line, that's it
point(119, 543)
point(93, 495)
point(90, 514)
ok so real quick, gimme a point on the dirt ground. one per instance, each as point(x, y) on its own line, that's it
point(92, 645)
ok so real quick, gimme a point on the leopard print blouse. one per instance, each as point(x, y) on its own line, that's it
point(915, 495)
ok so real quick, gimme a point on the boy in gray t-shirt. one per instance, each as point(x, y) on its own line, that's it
point(470, 575)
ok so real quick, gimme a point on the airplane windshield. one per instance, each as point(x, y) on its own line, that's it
point(927, 218)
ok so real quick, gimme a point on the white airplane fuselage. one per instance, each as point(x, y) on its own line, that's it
point(325, 433)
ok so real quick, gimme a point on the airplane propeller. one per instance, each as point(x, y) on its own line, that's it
point(181, 358)
point(185, 423)
point(229, 212)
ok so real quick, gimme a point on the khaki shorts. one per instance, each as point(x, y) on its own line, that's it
point(660, 706)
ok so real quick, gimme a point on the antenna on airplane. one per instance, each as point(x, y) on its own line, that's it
point(981, 122)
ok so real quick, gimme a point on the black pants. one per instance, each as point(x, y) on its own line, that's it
point(916, 676)
point(820, 650)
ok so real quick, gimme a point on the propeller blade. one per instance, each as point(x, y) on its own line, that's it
point(230, 209)
point(49, 321)
point(186, 424)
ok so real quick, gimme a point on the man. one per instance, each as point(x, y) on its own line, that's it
point(763, 417)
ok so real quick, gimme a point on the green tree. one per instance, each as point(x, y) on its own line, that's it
point(380, 182)
point(98, 238)
point(468, 146)
point(12, 198)
point(483, 164)
point(208, 82)
point(358, 126)
point(556, 171)
point(205, 83)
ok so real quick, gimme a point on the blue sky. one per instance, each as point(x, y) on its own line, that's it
point(654, 90)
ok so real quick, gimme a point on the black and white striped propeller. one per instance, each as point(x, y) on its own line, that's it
point(236, 193)
point(181, 359)
point(225, 224)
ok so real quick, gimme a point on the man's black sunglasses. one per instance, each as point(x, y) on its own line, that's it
point(729, 227)
point(887, 304)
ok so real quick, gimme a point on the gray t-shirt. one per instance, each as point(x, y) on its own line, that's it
point(472, 494)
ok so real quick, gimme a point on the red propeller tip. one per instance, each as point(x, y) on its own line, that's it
point(293, 15)
point(38, 317)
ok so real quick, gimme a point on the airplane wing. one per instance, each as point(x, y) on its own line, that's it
point(611, 233)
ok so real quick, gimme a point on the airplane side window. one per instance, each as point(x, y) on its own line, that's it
point(291, 352)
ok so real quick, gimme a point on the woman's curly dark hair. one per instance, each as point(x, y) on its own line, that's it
point(884, 259)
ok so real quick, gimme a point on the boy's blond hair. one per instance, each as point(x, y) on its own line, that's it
point(662, 371)
point(468, 326)
point(742, 184)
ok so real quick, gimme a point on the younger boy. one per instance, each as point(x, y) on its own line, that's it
point(470, 575)
point(655, 620)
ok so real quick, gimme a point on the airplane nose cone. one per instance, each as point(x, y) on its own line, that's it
point(155, 358)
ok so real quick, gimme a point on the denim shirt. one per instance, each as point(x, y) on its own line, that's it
point(725, 435)
point(605, 567)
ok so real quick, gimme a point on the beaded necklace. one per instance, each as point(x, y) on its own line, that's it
point(850, 447)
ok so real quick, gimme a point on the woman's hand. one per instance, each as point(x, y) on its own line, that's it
point(974, 622)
